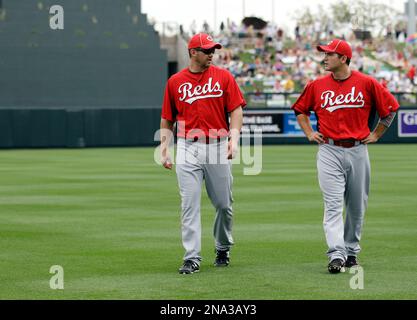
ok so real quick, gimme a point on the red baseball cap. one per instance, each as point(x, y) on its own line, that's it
point(339, 46)
point(204, 41)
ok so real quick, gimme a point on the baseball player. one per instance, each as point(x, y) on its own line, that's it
point(343, 102)
point(199, 99)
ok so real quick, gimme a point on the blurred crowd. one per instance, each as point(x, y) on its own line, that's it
point(267, 59)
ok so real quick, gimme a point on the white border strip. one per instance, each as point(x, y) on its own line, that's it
point(400, 133)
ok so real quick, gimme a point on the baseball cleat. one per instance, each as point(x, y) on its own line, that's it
point(189, 267)
point(222, 258)
point(351, 261)
point(336, 266)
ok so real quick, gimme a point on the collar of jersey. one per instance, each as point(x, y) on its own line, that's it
point(337, 80)
point(197, 73)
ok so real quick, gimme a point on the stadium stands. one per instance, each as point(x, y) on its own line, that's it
point(268, 61)
point(97, 82)
point(106, 56)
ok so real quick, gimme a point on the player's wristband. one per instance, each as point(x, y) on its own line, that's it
point(297, 113)
point(387, 121)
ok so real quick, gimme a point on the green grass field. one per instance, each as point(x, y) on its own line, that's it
point(110, 218)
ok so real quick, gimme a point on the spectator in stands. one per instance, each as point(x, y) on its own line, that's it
point(193, 27)
point(222, 27)
point(411, 74)
point(289, 84)
point(259, 44)
point(206, 27)
point(297, 32)
point(254, 58)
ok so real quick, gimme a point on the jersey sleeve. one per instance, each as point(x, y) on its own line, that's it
point(305, 101)
point(383, 100)
point(169, 111)
point(234, 96)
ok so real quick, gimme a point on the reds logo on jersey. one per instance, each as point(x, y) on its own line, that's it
point(189, 94)
point(332, 102)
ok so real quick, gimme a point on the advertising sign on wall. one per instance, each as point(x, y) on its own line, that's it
point(274, 123)
point(407, 123)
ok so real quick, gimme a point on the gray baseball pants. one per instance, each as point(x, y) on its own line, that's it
point(196, 162)
point(344, 178)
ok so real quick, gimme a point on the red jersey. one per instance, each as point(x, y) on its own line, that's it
point(343, 107)
point(201, 101)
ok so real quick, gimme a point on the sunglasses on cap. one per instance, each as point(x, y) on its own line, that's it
point(206, 51)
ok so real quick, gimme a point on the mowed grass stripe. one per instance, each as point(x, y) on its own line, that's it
point(110, 217)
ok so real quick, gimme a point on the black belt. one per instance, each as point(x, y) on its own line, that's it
point(206, 140)
point(345, 143)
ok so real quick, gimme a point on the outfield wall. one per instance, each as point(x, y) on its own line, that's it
point(121, 126)
point(76, 127)
point(279, 126)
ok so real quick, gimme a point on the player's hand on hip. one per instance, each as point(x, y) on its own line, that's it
point(316, 137)
point(232, 148)
point(372, 138)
